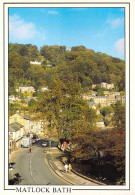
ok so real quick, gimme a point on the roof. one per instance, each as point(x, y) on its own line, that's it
point(13, 127)
point(91, 103)
point(100, 120)
point(26, 117)
point(15, 116)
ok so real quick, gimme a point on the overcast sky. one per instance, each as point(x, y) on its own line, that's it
point(100, 29)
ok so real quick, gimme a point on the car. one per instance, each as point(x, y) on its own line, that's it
point(33, 141)
point(38, 139)
point(44, 144)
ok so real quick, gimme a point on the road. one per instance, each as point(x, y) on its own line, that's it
point(33, 168)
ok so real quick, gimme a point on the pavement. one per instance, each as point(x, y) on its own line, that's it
point(54, 156)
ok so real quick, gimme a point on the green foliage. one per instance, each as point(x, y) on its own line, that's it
point(12, 91)
point(100, 92)
point(119, 116)
point(85, 140)
point(78, 48)
point(80, 64)
point(32, 102)
point(122, 93)
point(107, 122)
point(13, 108)
point(51, 53)
point(21, 96)
point(106, 110)
point(23, 51)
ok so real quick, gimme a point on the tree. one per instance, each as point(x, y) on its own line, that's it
point(106, 110)
point(119, 116)
point(24, 51)
point(78, 48)
point(85, 141)
point(32, 102)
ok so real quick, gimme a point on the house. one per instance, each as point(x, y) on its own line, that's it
point(95, 108)
point(107, 85)
point(100, 124)
point(94, 93)
point(17, 118)
point(22, 120)
point(11, 98)
point(123, 99)
point(44, 89)
point(116, 93)
point(16, 133)
point(93, 86)
point(111, 98)
point(49, 65)
point(100, 100)
point(91, 103)
point(86, 97)
point(35, 62)
point(35, 127)
point(106, 93)
point(24, 89)
point(27, 123)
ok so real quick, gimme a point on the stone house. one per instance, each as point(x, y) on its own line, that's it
point(100, 99)
point(107, 85)
point(111, 98)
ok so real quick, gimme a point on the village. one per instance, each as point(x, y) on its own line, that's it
point(22, 124)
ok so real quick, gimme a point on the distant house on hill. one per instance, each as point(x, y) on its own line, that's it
point(11, 98)
point(35, 62)
point(49, 65)
point(100, 100)
point(93, 86)
point(44, 89)
point(24, 89)
point(107, 85)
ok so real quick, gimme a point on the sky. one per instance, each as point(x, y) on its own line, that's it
point(99, 29)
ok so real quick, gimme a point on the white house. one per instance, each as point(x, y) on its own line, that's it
point(11, 98)
point(107, 85)
point(49, 65)
point(35, 62)
point(100, 124)
point(24, 89)
point(15, 135)
point(44, 89)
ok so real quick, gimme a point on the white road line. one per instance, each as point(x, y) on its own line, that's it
point(30, 167)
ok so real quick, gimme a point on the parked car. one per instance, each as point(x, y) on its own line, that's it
point(33, 141)
point(38, 139)
point(44, 144)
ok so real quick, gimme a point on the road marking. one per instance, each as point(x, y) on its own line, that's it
point(31, 169)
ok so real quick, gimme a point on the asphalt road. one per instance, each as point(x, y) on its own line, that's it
point(33, 168)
